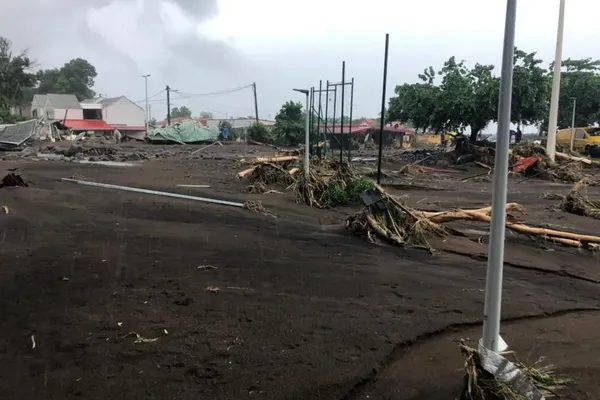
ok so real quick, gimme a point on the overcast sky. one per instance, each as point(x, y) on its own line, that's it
point(200, 46)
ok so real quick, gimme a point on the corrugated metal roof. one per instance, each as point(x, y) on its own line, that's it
point(64, 101)
point(88, 125)
point(19, 133)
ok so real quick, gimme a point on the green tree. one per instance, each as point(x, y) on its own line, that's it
point(181, 112)
point(205, 115)
point(580, 79)
point(531, 89)
point(152, 122)
point(260, 133)
point(15, 77)
point(414, 104)
point(289, 124)
point(75, 77)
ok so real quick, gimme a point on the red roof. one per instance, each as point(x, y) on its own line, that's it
point(88, 125)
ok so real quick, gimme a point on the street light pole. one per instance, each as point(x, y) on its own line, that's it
point(553, 118)
point(493, 283)
point(306, 133)
point(573, 123)
point(146, 81)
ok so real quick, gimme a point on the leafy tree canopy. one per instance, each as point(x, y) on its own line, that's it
point(289, 124)
point(260, 133)
point(75, 77)
point(181, 112)
point(15, 77)
point(206, 115)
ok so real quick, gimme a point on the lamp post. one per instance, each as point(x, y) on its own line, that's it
point(553, 118)
point(146, 82)
point(306, 132)
point(573, 123)
point(493, 282)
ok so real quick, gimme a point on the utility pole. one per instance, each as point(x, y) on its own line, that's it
point(493, 282)
point(573, 123)
point(147, 112)
point(255, 101)
point(168, 105)
point(383, 100)
point(342, 108)
point(553, 118)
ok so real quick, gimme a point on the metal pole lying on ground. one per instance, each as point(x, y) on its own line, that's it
point(155, 192)
point(382, 122)
point(493, 285)
point(553, 118)
point(573, 123)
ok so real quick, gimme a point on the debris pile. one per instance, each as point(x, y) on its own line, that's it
point(514, 380)
point(389, 218)
point(13, 179)
point(329, 184)
point(271, 170)
point(530, 160)
point(577, 203)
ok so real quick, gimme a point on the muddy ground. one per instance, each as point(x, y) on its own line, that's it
point(303, 311)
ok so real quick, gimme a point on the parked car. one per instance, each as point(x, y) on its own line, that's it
point(586, 139)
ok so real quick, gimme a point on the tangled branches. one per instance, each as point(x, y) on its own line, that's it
point(576, 203)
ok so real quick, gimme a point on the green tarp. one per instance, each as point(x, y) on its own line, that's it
point(186, 132)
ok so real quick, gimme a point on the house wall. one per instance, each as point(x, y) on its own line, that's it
point(59, 113)
point(124, 112)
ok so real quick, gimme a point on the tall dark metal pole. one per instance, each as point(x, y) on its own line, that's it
point(334, 110)
point(326, 116)
point(311, 120)
point(320, 113)
point(342, 113)
point(168, 105)
point(382, 123)
point(351, 107)
point(255, 101)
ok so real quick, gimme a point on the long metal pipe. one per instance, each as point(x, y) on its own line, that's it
point(342, 108)
point(155, 192)
point(493, 283)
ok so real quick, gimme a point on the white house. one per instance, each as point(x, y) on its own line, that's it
point(121, 113)
point(56, 106)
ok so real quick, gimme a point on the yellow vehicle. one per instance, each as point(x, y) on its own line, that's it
point(584, 138)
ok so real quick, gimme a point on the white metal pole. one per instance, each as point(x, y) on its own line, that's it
point(493, 285)
point(553, 118)
point(306, 139)
point(573, 123)
point(147, 115)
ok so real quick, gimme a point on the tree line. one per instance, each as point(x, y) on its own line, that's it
point(457, 97)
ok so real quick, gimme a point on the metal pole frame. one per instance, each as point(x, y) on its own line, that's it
point(351, 107)
point(342, 108)
point(493, 284)
point(320, 112)
point(334, 110)
point(326, 118)
point(382, 120)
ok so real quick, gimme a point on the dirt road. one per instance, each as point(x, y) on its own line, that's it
point(303, 310)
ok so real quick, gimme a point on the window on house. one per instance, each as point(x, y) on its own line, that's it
point(92, 114)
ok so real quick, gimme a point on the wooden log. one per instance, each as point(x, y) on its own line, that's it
point(265, 160)
point(569, 157)
point(246, 172)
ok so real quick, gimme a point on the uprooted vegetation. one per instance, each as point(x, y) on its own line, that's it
point(575, 202)
point(329, 184)
point(389, 218)
point(479, 384)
